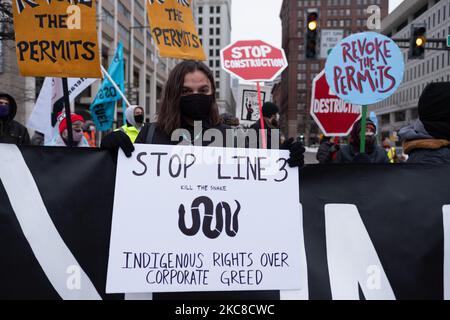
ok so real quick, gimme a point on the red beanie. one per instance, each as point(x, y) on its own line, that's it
point(74, 117)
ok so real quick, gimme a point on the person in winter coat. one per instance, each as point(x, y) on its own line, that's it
point(135, 121)
point(427, 140)
point(189, 99)
point(328, 150)
point(10, 130)
point(373, 153)
point(270, 112)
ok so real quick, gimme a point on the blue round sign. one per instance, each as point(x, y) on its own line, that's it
point(365, 68)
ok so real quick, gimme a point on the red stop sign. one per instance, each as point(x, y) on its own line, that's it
point(253, 60)
point(334, 116)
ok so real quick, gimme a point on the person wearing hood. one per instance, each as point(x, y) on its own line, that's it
point(10, 130)
point(135, 120)
point(427, 140)
point(373, 153)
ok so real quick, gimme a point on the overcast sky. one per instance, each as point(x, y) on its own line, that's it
point(259, 19)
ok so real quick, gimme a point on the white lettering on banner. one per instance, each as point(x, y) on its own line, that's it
point(48, 246)
point(352, 257)
point(253, 63)
point(446, 214)
point(302, 294)
point(335, 106)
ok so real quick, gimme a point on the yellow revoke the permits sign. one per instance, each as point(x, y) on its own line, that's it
point(173, 29)
point(57, 38)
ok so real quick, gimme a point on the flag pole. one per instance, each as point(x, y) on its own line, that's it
point(261, 117)
point(67, 108)
point(362, 145)
point(106, 74)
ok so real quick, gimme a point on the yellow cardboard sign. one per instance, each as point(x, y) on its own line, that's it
point(57, 38)
point(173, 29)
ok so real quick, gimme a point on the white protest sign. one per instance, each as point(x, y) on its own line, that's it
point(329, 38)
point(247, 105)
point(205, 219)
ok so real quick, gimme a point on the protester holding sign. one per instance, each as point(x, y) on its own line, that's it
point(11, 131)
point(373, 153)
point(188, 110)
point(428, 139)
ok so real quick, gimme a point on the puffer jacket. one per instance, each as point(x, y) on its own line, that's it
point(421, 147)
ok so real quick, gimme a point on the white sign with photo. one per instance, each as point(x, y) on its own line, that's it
point(247, 106)
point(205, 219)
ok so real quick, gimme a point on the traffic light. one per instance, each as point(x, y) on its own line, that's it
point(417, 42)
point(312, 23)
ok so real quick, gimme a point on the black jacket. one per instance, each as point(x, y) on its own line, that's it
point(257, 127)
point(10, 130)
point(349, 154)
point(160, 137)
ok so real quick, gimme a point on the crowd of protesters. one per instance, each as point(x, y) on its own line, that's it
point(190, 97)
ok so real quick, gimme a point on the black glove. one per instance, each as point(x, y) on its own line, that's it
point(115, 140)
point(296, 153)
point(287, 144)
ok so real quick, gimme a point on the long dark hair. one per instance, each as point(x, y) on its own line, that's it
point(169, 118)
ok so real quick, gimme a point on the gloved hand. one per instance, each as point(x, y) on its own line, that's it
point(296, 152)
point(115, 140)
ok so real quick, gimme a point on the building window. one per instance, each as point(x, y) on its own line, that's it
point(211, 42)
point(211, 52)
point(121, 8)
point(211, 9)
point(217, 42)
point(218, 9)
point(211, 30)
point(211, 20)
point(217, 52)
point(218, 20)
point(385, 118)
point(200, 20)
point(217, 63)
point(218, 31)
point(124, 32)
point(217, 74)
point(217, 84)
point(200, 10)
point(200, 31)
point(400, 116)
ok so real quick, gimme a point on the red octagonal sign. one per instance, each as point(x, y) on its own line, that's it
point(253, 60)
point(334, 116)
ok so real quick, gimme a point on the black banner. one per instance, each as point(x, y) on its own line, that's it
point(377, 230)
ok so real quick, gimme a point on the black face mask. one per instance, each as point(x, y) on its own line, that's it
point(196, 106)
point(139, 119)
